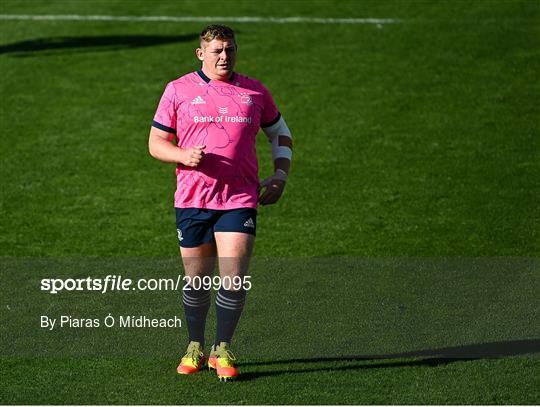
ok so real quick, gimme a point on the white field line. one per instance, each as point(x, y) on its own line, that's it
point(198, 19)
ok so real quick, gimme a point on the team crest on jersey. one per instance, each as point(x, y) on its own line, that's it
point(246, 99)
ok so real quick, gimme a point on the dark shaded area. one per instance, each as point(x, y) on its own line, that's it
point(432, 358)
point(44, 46)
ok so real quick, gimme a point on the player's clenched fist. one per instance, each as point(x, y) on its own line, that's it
point(193, 156)
point(271, 189)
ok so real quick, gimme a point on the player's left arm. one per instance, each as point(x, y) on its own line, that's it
point(279, 135)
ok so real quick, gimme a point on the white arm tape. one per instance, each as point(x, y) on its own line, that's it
point(273, 132)
point(280, 174)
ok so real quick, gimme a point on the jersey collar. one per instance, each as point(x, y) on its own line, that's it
point(207, 79)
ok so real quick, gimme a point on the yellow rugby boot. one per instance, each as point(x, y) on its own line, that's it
point(223, 361)
point(193, 360)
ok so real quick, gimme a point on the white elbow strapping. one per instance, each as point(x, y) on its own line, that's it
point(280, 151)
point(277, 129)
point(273, 132)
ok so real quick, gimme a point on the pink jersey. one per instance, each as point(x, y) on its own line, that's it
point(225, 117)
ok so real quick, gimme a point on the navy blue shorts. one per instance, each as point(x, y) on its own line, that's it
point(197, 226)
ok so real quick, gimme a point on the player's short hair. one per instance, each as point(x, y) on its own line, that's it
point(217, 31)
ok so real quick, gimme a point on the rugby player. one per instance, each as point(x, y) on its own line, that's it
point(206, 123)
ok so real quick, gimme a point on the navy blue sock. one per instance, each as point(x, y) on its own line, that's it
point(196, 306)
point(229, 306)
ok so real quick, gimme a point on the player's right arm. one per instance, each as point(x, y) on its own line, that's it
point(161, 148)
point(163, 131)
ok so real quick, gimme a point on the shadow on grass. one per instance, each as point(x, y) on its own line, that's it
point(59, 45)
point(430, 358)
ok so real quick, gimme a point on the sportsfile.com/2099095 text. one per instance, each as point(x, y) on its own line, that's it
point(118, 283)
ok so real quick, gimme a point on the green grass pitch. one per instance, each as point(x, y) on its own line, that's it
point(416, 141)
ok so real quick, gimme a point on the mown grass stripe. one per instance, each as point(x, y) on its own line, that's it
point(197, 19)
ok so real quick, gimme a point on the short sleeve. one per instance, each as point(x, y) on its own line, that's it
point(270, 114)
point(165, 117)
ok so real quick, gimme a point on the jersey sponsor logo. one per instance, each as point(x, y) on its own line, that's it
point(223, 110)
point(222, 119)
point(198, 101)
point(249, 223)
point(180, 237)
